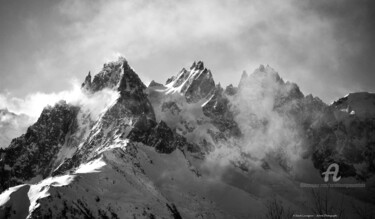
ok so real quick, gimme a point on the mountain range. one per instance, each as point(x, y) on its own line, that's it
point(190, 148)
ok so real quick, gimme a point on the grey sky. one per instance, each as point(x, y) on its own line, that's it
point(326, 47)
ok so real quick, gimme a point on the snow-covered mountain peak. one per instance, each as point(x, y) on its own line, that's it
point(195, 84)
point(120, 77)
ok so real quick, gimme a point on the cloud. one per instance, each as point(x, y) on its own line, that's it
point(159, 37)
point(267, 133)
point(27, 110)
point(33, 104)
point(12, 126)
point(352, 30)
point(306, 41)
point(144, 28)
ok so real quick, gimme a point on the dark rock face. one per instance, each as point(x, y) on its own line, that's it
point(346, 137)
point(361, 104)
point(162, 138)
point(34, 152)
point(132, 93)
point(181, 78)
point(201, 86)
point(87, 83)
point(231, 90)
point(218, 109)
point(158, 135)
point(169, 80)
point(155, 84)
point(142, 129)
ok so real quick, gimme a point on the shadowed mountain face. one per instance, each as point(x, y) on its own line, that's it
point(348, 136)
point(186, 149)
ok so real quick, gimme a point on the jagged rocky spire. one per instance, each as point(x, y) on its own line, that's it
point(196, 83)
point(193, 65)
point(130, 81)
point(132, 92)
point(118, 75)
point(243, 79)
point(108, 77)
point(197, 65)
point(155, 84)
point(87, 83)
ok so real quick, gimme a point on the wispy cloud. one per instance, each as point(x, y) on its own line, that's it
point(229, 35)
point(28, 109)
point(33, 104)
point(267, 134)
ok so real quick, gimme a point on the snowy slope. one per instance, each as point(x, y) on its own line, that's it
point(107, 185)
point(136, 181)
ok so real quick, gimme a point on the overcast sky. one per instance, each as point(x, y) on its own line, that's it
point(325, 46)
